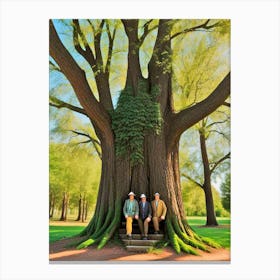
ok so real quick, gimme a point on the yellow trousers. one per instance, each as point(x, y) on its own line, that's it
point(129, 221)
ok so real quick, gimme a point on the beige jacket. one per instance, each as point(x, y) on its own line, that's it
point(160, 210)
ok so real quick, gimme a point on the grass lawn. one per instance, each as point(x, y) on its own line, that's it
point(220, 234)
point(59, 232)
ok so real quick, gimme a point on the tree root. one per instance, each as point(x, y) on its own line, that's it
point(181, 236)
point(105, 231)
point(181, 240)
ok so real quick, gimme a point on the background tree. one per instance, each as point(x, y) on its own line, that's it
point(208, 169)
point(213, 134)
point(140, 136)
point(202, 67)
point(225, 188)
point(74, 172)
point(194, 200)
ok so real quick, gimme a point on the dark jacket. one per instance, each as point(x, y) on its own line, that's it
point(146, 211)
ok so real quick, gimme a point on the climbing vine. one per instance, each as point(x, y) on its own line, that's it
point(135, 116)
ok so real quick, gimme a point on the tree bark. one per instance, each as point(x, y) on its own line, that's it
point(63, 207)
point(52, 207)
point(83, 207)
point(79, 208)
point(210, 208)
point(50, 204)
point(86, 211)
point(66, 207)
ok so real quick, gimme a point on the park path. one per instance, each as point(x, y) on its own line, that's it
point(58, 252)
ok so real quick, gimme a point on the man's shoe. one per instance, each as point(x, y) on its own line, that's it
point(129, 236)
point(145, 238)
point(156, 232)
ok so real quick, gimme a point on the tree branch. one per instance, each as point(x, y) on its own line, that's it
point(100, 72)
point(226, 104)
point(204, 26)
point(87, 53)
point(110, 48)
point(219, 132)
point(84, 142)
point(55, 102)
point(95, 142)
point(133, 70)
point(160, 66)
point(146, 31)
point(219, 162)
point(54, 67)
point(192, 180)
point(218, 122)
point(186, 118)
point(77, 78)
point(98, 67)
point(86, 135)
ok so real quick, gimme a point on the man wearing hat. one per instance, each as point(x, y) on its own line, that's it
point(159, 211)
point(130, 211)
point(145, 215)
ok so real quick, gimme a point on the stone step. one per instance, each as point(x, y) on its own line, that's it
point(139, 242)
point(138, 236)
point(134, 230)
point(143, 249)
point(135, 224)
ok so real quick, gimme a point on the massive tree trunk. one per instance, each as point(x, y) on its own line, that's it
point(159, 169)
point(210, 208)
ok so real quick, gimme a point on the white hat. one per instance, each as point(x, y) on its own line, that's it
point(142, 195)
point(131, 193)
point(156, 193)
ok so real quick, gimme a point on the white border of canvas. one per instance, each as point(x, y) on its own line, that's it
point(255, 138)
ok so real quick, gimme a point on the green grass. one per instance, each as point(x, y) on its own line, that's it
point(220, 235)
point(201, 221)
point(60, 232)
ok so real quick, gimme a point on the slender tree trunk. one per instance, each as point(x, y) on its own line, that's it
point(86, 211)
point(52, 207)
point(64, 207)
point(79, 208)
point(83, 208)
point(50, 204)
point(210, 208)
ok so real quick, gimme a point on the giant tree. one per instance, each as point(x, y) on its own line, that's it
point(139, 136)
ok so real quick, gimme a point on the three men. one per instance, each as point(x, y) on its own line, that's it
point(143, 212)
